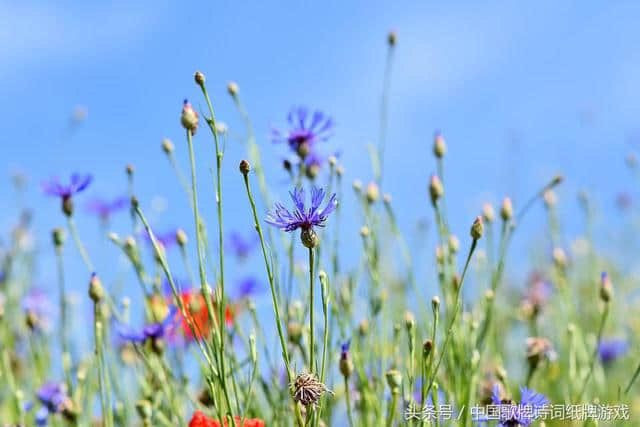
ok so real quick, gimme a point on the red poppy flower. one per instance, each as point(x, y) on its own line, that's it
point(201, 420)
point(197, 313)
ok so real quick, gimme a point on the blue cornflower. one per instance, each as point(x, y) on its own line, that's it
point(611, 349)
point(305, 129)
point(39, 309)
point(77, 184)
point(54, 399)
point(247, 286)
point(152, 331)
point(104, 208)
point(301, 218)
point(511, 414)
point(241, 246)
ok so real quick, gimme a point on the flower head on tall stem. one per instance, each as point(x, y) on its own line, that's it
point(38, 308)
point(301, 218)
point(611, 349)
point(305, 130)
point(152, 331)
point(77, 183)
point(54, 399)
point(518, 414)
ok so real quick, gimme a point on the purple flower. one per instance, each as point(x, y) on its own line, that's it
point(166, 239)
point(241, 246)
point(611, 349)
point(247, 286)
point(37, 305)
point(78, 183)
point(150, 331)
point(511, 414)
point(104, 208)
point(54, 399)
point(344, 349)
point(302, 218)
point(305, 129)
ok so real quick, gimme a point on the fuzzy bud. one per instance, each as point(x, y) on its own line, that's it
point(357, 185)
point(58, 236)
point(559, 258)
point(364, 231)
point(556, 181)
point(373, 193)
point(181, 237)
point(409, 321)
point(232, 88)
point(506, 210)
point(477, 228)
point(199, 78)
point(549, 198)
point(294, 332)
point(394, 380)
point(189, 117)
point(167, 146)
point(436, 190)
point(487, 212)
point(96, 292)
point(606, 288)
point(129, 169)
point(435, 304)
point(363, 327)
point(309, 238)
point(386, 199)
point(244, 167)
point(455, 282)
point(454, 244)
point(332, 160)
point(340, 170)
point(392, 38)
point(427, 346)
point(439, 146)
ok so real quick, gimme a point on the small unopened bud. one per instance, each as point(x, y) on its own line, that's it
point(409, 321)
point(439, 146)
point(427, 346)
point(394, 380)
point(506, 210)
point(340, 170)
point(67, 205)
point(477, 228)
point(333, 161)
point(181, 237)
point(436, 190)
point(129, 243)
point(489, 295)
point(199, 78)
point(113, 237)
point(58, 236)
point(386, 198)
point(134, 202)
point(130, 169)
point(244, 167)
point(232, 88)
point(96, 292)
point(309, 238)
point(392, 38)
point(364, 231)
point(549, 198)
point(435, 304)
point(363, 327)
point(455, 282)
point(559, 258)
point(189, 117)
point(167, 146)
point(294, 332)
point(487, 212)
point(606, 288)
point(439, 254)
point(373, 193)
point(454, 244)
point(556, 180)
point(252, 348)
point(357, 185)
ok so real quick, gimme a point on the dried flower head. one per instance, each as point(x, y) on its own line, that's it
point(308, 390)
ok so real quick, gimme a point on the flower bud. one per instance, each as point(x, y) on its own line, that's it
point(346, 364)
point(373, 193)
point(181, 237)
point(487, 212)
point(340, 170)
point(67, 205)
point(364, 231)
point(427, 346)
point(439, 146)
point(409, 321)
point(559, 258)
point(199, 78)
point(556, 180)
point(606, 288)
point(394, 380)
point(294, 332)
point(392, 38)
point(477, 228)
point(189, 117)
point(252, 348)
point(129, 169)
point(363, 327)
point(439, 254)
point(436, 190)
point(454, 244)
point(455, 282)
point(58, 236)
point(435, 304)
point(167, 146)
point(232, 88)
point(332, 160)
point(357, 185)
point(96, 292)
point(244, 167)
point(309, 238)
point(549, 198)
point(386, 198)
point(506, 210)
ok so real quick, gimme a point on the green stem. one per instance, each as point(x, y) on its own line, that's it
point(594, 356)
point(311, 310)
point(347, 393)
point(63, 321)
point(76, 239)
point(392, 407)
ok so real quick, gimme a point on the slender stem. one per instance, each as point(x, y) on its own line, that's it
point(104, 392)
point(384, 107)
point(633, 379)
point(347, 393)
point(311, 310)
point(274, 297)
point(453, 317)
point(76, 239)
point(392, 407)
point(63, 321)
point(594, 356)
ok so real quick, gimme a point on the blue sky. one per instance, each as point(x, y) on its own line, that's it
point(520, 91)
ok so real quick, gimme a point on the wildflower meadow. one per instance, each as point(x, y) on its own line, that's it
point(275, 286)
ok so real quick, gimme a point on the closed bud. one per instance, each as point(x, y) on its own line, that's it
point(386, 199)
point(357, 185)
point(364, 231)
point(559, 258)
point(134, 202)
point(332, 160)
point(363, 327)
point(96, 292)
point(436, 190)
point(439, 146)
point(549, 198)
point(606, 288)
point(130, 169)
point(488, 213)
point(294, 332)
point(199, 78)
point(455, 282)
point(58, 236)
point(114, 237)
point(309, 238)
point(556, 180)
point(189, 117)
point(392, 38)
point(454, 244)
point(435, 304)
point(244, 167)
point(167, 146)
point(409, 321)
point(506, 210)
point(394, 380)
point(181, 237)
point(373, 193)
point(477, 228)
point(232, 88)
point(427, 346)
point(340, 170)
point(439, 254)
